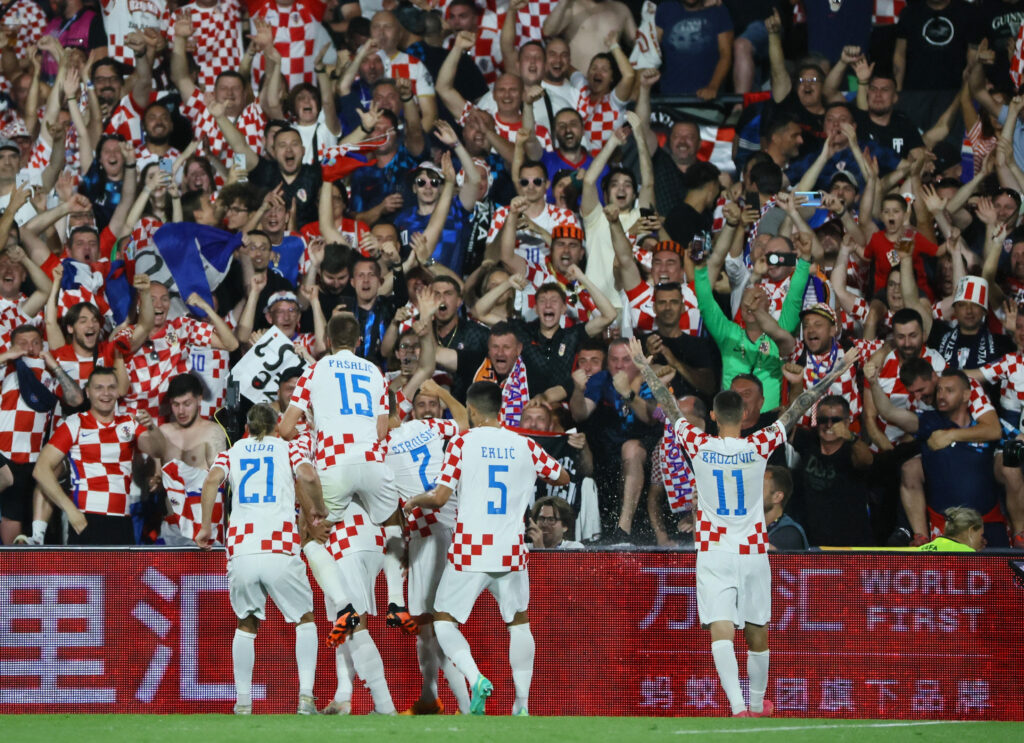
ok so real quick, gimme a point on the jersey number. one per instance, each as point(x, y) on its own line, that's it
point(357, 390)
point(723, 507)
point(422, 453)
point(492, 482)
point(251, 494)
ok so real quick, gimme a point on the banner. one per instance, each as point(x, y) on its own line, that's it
point(257, 372)
point(915, 636)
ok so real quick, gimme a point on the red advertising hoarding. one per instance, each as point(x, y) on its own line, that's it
point(852, 635)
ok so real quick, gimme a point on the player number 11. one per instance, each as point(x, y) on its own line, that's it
point(723, 506)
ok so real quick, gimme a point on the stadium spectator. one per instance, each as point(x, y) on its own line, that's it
point(783, 532)
point(551, 522)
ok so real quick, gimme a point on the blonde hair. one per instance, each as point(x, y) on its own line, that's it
point(960, 520)
point(261, 420)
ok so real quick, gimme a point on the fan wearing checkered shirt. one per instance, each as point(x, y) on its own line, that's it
point(491, 470)
point(733, 574)
point(99, 445)
point(386, 31)
point(267, 475)
point(466, 15)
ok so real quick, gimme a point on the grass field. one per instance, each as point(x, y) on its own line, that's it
point(226, 728)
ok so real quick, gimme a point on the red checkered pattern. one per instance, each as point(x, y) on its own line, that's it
point(30, 20)
point(141, 237)
point(251, 123)
point(979, 403)
point(408, 67)
point(768, 439)
point(295, 38)
point(601, 117)
point(22, 429)
point(120, 17)
point(218, 39)
point(691, 437)
point(757, 543)
point(211, 364)
point(887, 12)
point(466, 546)
point(579, 304)
point(641, 309)
point(978, 144)
point(846, 386)
point(889, 381)
point(551, 217)
point(508, 129)
point(126, 119)
point(183, 485)
point(1009, 373)
point(330, 448)
point(404, 405)
point(487, 51)
point(451, 470)
point(78, 368)
point(165, 354)
point(236, 536)
point(705, 533)
point(716, 146)
point(144, 156)
point(100, 456)
point(357, 534)
point(544, 464)
point(530, 21)
point(419, 521)
point(285, 542)
point(11, 316)
point(676, 473)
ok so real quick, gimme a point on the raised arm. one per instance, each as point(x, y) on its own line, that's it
point(781, 82)
point(558, 20)
point(507, 237)
point(445, 85)
point(597, 323)
point(803, 402)
point(590, 200)
point(905, 419)
point(629, 274)
point(665, 399)
point(180, 76)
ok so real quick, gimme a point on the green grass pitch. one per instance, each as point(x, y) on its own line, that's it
point(449, 728)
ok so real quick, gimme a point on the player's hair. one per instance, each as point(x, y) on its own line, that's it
point(751, 378)
point(97, 371)
point(835, 401)
point(561, 508)
point(902, 317)
point(782, 480)
point(343, 331)
point(728, 406)
point(551, 286)
point(959, 520)
point(183, 384)
point(958, 374)
point(896, 199)
point(261, 420)
point(337, 257)
point(485, 397)
point(914, 370)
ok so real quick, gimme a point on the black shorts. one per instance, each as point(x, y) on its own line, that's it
point(104, 530)
point(16, 501)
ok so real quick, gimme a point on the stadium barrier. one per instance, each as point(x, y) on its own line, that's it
point(863, 635)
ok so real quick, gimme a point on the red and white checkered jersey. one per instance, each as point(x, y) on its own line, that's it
point(508, 129)
point(250, 123)
point(298, 37)
point(217, 33)
point(1008, 372)
point(410, 68)
point(166, 354)
point(144, 156)
point(11, 316)
point(818, 365)
point(889, 381)
point(30, 20)
point(531, 21)
point(183, 485)
point(579, 304)
point(979, 403)
point(355, 533)
point(100, 459)
point(487, 51)
point(493, 472)
point(343, 395)
point(211, 366)
point(641, 309)
point(21, 428)
point(730, 487)
point(532, 251)
point(601, 117)
point(261, 473)
point(78, 368)
point(126, 119)
point(121, 17)
point(414, 452)
point(887, 12)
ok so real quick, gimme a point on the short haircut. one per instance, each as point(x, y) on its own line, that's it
point(229, 74)
point(343, 331)
point(771, 125)
point(728, 407)
point(669, 286)
point(105, 62)
point(594, 344)
point(835, 401)
point(700, 174)
point(292, 372)
point(840, 104)
point(957, 374)
point(502, 328)
point(906, 315)
point(536, 164)
point(566, 109)
point(551, 286)
point(447, 280)
point(751, 378)
point(26, 328)
point(360, 258)
point(471, 4)
point(485, 397)
point(896, 199)
point(619, 170)
point(914, 370)
point(97, 371)
point(337, 257)
point(782, 480)
point(285, 130)
point(532, 42)
point(261, 420)
point(260, 233)
point(183, 384)
point(766, 177)
point(561, 508)
point(191, 202)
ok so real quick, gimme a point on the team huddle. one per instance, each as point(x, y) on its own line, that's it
point(341, 479)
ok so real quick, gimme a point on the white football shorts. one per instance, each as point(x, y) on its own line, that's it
point(251, 578)
point(459, 589)
point(373, 482)
point(427, 558)
point(733, 587)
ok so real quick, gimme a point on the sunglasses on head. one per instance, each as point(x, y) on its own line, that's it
point(524, 182)
point(421, 182)
point(829, 420)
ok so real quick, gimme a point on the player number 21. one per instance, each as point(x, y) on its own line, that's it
point(500, 506)
point(249, 494)
point(723, 506)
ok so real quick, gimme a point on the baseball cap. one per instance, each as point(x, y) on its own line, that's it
point(9, 144)
point(842, 175)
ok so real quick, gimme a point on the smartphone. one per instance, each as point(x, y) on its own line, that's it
point(810, 198)
point(781, 259)
point(238, 162)
point(22, 180)
point(646, 212)
point(166, 165)
point(751, 198)
point(700, 247)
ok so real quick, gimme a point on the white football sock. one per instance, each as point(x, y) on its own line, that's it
point(757, 670)
point(728, 673)
point(368, 664)
point(305, 656)
point(243, 658)
point(428, 657)
point(457, 649)
point(456, 681)
point(394, 548)
point(39, 531)
point(521, 649)
point(346, 673)
point(325, 571)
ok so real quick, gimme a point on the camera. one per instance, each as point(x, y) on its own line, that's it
point(781, 259)
point(1013, 453)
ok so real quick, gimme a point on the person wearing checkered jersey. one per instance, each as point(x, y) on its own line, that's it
point(267, 474)
point(733, 574)
point(492, 471)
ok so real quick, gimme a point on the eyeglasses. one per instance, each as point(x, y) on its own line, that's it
point(547, 519)
point(524, 182)
point(808, 79)
point(407, 346)
point(435, 182)
point(829, 420)
point(238, 210)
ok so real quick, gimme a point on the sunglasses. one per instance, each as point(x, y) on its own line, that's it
point(829, 420)
point(435, 182)
point(524, 182)
point(808, 79)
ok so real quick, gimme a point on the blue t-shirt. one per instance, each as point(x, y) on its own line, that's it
point(290, 255)
point(371, 184)
point(601, 390)
point(960, 474)
point(689, 45)
point(451, 248)
point(845, 161)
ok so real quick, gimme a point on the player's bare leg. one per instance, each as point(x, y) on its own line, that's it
point(912, 498)
point(1013, 480)
point(243, 658)
point(521, 652)
point(722, 650)
point(398, 615)
point(757, 668)
point(305, 659)
point(454, 645)
point(370, 667)
point(634, 456)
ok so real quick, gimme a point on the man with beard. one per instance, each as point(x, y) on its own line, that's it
point(970, 343)
point(301, 182)
point(569, 152)
point(883, 124)
point(557, 73)
point(194, 440)
point(692, 359)
point(461, 343)
point(781, 138)
point(585, 24)
point(381, 189)
point(156, 140)
point(329, 269)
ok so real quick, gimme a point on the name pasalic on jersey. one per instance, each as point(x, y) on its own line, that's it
point(497, 452)
point(713, 457)
point(346, 364)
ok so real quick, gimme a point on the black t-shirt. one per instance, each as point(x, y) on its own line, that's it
point(684, 222)
point(233, 290)
point(697, 352)
point(812, 126)
point(549, 360)
point(968, 351)
point(469, 340)
point(305, 189)
point(899, 136)
point(937, 42)
point(999, 23)
point(829, 497)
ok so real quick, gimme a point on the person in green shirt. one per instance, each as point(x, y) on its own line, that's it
point(964, 532)
point(754, 347)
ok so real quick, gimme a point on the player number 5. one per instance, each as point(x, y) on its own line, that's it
point(501, 506)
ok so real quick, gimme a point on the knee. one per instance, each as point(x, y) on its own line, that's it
point(521, 617)
point(305, 619)
point(912, 473)
point(742, 47)
point(633, 451)
point(251, 624)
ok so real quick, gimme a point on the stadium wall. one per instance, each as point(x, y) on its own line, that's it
point(853, 635)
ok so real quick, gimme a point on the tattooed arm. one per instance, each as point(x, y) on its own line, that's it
point(661, 393)
point(808, 397)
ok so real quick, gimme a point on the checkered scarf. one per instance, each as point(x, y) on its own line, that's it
point(676, 474)
point(515, 392)
point(1017, 60)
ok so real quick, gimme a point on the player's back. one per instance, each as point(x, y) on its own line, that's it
point(415, 452)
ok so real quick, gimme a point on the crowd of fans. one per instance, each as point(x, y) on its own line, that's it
point(484, 187)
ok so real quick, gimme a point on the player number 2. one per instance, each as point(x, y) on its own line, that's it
point(421, 454)
point(357, 390)
point(500, 506)
point(723, 506)
point(249, 494)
